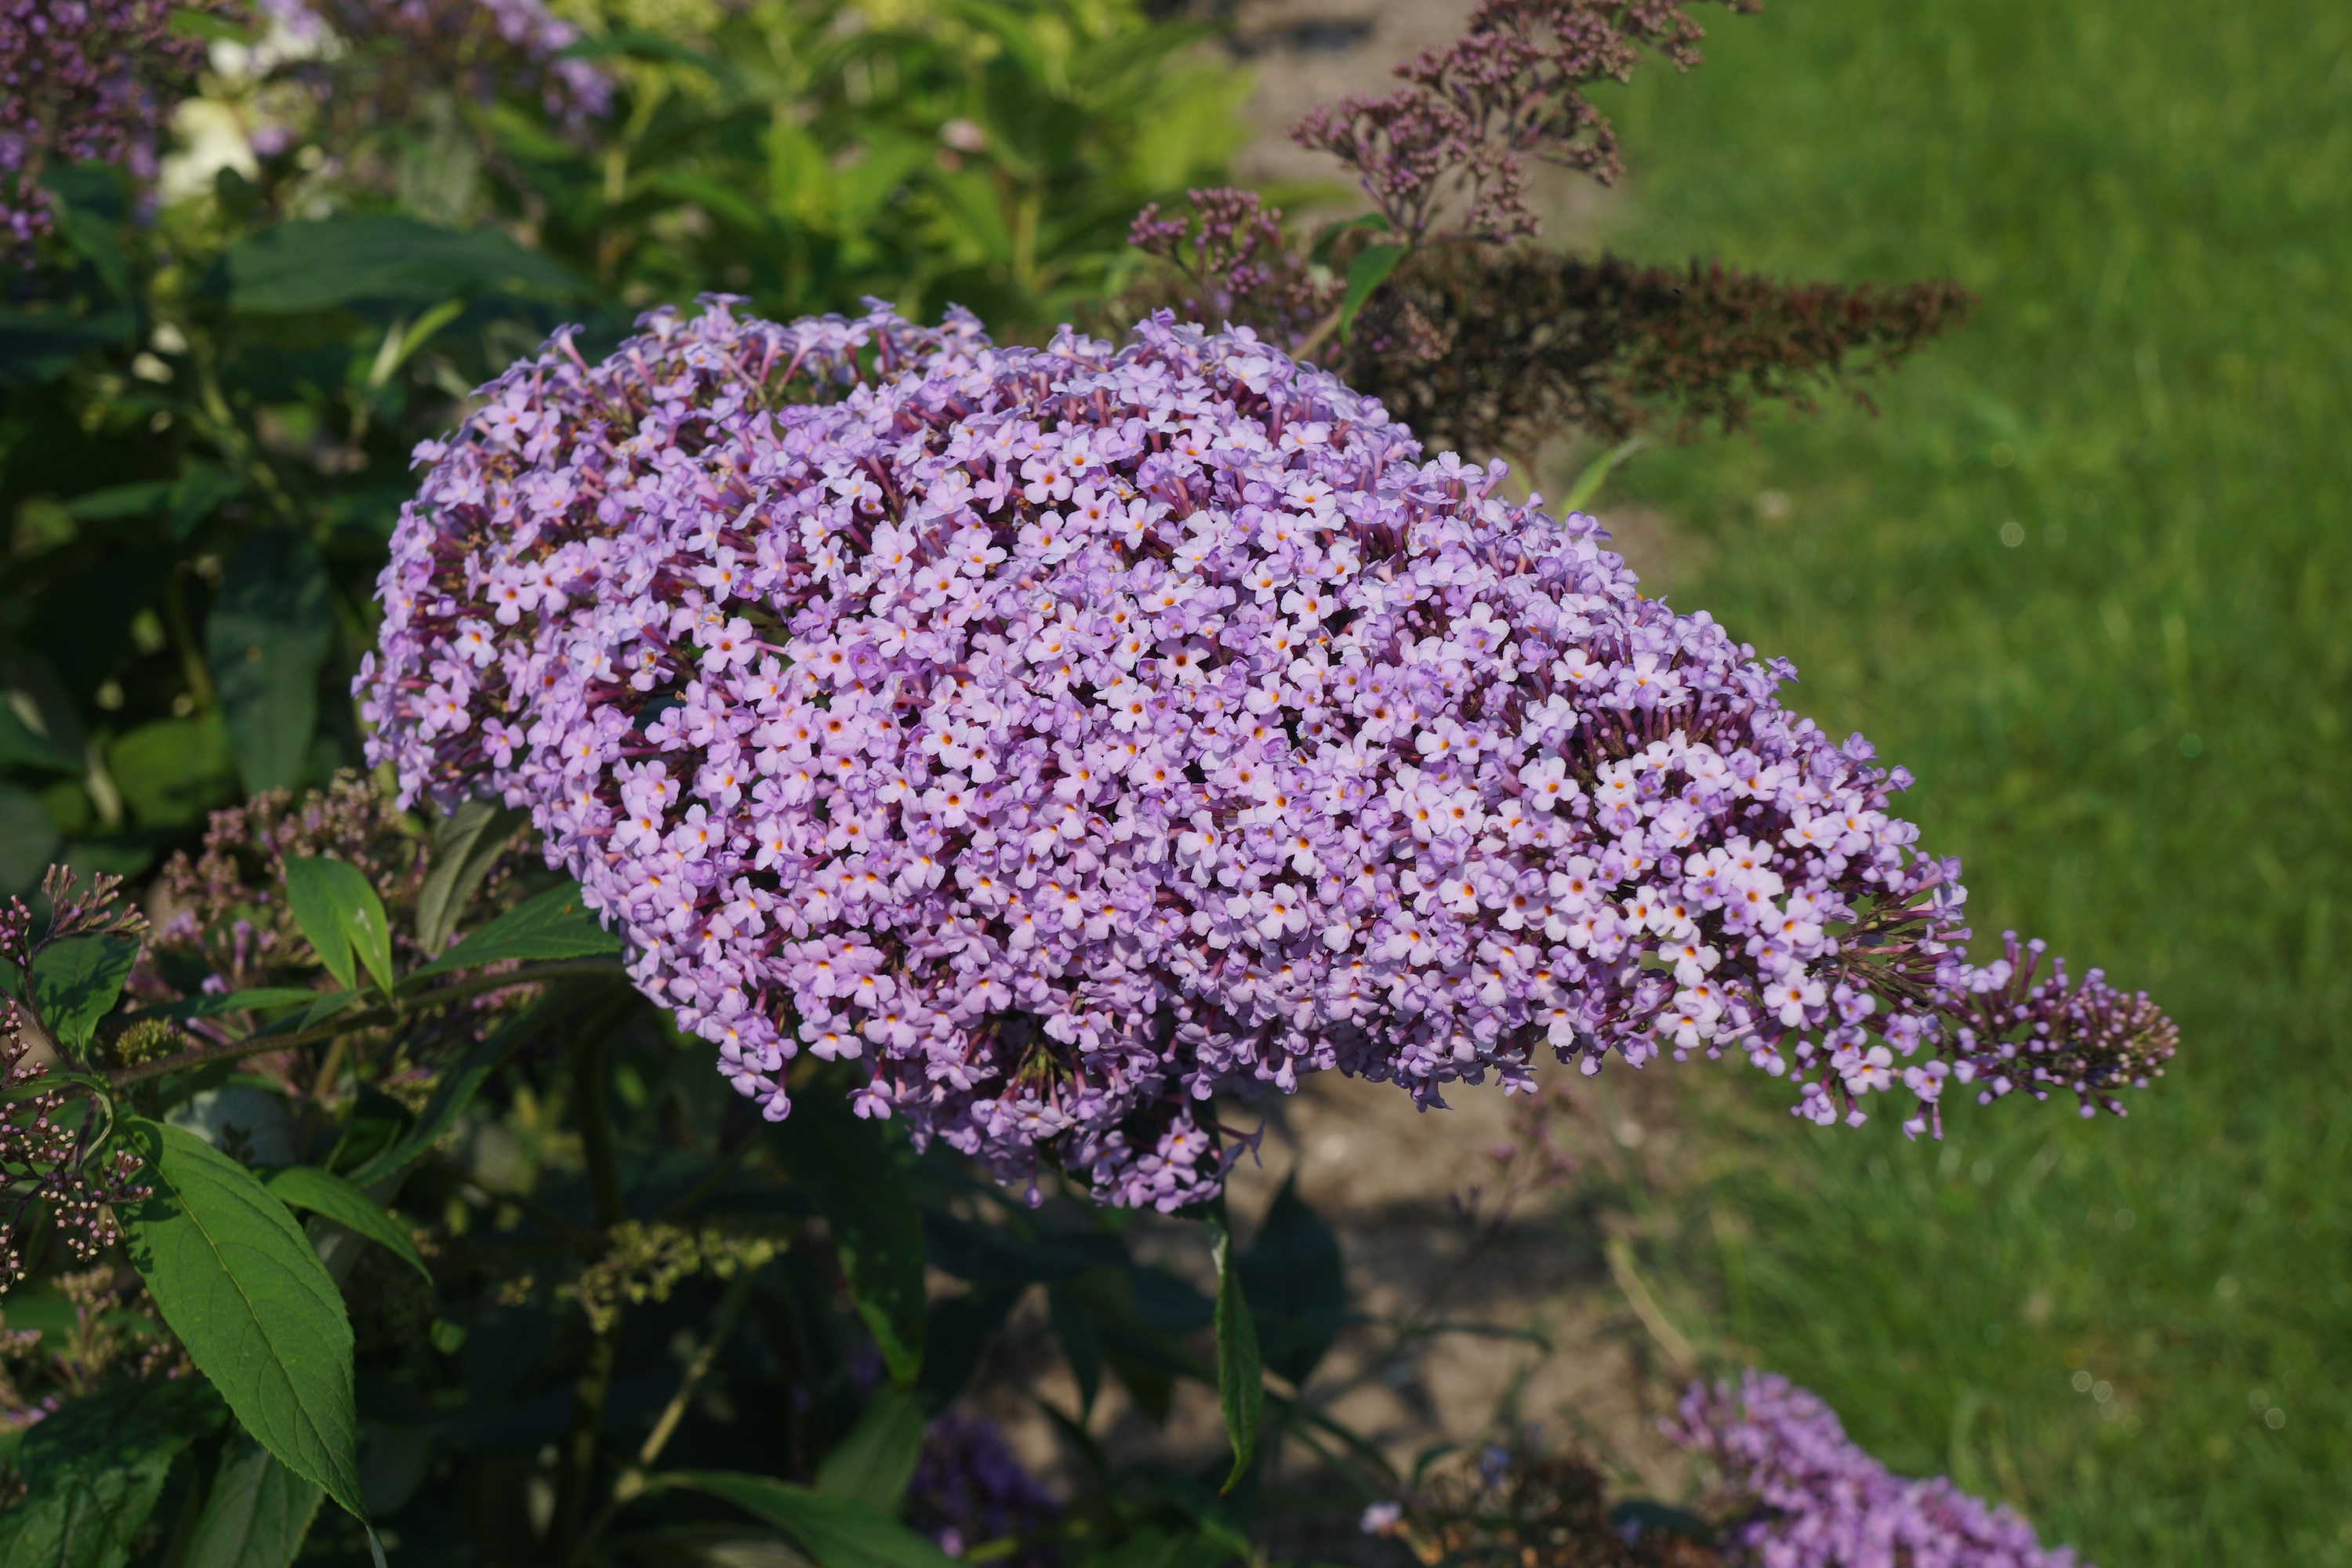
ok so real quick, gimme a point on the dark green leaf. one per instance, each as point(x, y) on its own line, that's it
point(451, 1096)
point(1154, 1548)
point(29, 838)
point(173, 771)
point(556, 924)
point(1167, 1304)
point(342, 915)
point(324, 1193)
point(332, 262)
point(466, 844)
point(88, 230)
point(1240, 1385)
point(876, 1461)
point(75, 981)
point(1292, 1276)
point(94, 1470)
point(257, 1513)
point(238, 1283)
point(836, 1532)
point(851, 1170)
point(119, 501)
point(1081, 1343)
point(955, 1334)
point(23, 746)
point(38, 347)
point(260, 1000)
point(1367, 272)
point(197, 492)
point(265, 638)
point(1321, 254)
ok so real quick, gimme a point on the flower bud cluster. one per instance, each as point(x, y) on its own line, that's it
point(1821, 1502)
point(1068, 736)
point(1509, 89)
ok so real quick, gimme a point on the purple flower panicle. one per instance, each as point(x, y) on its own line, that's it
point(1068, 736)
point(1819, 1501)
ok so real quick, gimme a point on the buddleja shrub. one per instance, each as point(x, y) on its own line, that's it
point(1027, 749)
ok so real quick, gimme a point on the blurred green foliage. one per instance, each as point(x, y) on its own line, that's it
point(206, 410)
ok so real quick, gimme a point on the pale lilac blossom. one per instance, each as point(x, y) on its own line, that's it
point(1298, 753)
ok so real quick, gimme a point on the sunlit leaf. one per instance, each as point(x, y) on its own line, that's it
point(556, 924)
point(237, 1281)
point(77, 980)
point(324, 1193)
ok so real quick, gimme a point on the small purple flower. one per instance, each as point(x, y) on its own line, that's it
point(1821, 1502)
point(1069, 736)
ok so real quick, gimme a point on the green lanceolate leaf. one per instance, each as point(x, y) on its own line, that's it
point(170, 771)
point(342, 915)
point(1367, 272)
point(21, 746)
point(451, 1095)
point(555, 925)
point(238, 1283)
point(1296, 1292)
point(876, 1461)
point(466, 843)
point(29, 834)
point(850, 1170)
point(330, 262)
point(256, 1515)
point(1596, 474)
point(324, 1193)
point(1324, 242)
point(265, 639)
point(75, 981)
point(836, 1532)
point(94, 1470)
point(1240, 1383)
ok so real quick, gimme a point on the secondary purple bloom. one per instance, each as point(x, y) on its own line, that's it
point(969, 1488)
point(1821, 1502)
point(82, 81)
point(487, 46)
point(1069, 736)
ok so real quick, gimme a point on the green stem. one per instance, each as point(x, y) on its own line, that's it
point(579, 1456)
point(600, 1151)
point(252, 1045)
point(632, 1483)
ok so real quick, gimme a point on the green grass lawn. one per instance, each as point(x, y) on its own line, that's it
point(2087, 576)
